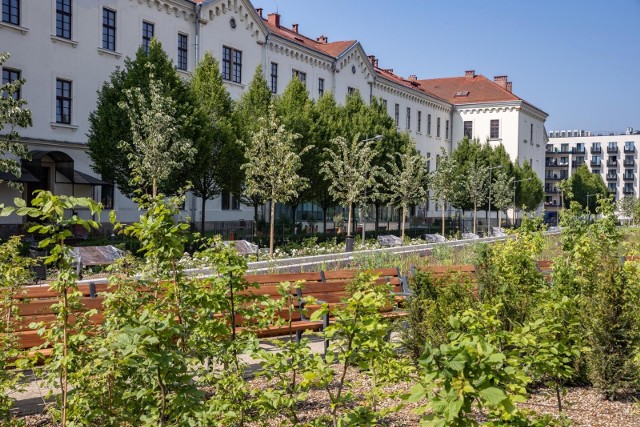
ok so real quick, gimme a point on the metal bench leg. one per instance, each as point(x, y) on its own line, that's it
point(325, 324)
point(298, 336)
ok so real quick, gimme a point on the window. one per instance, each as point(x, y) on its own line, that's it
point(531, 133)
point(446, 130)
point(384, 103)
point(629, 147)
point(63, 101)
point(595, 160)
point(274, 77)
point(231, 64)
point(229, 201)
point(63, 19)
point(147, 35)
point(408, 118)
point(438, 127)
point(300, 76)
point(420, 122)
point(428, 162)
point(320, 87)
point(106, 196)
point(596, 171)
point(397, 115)
point(612, 187)
point(428, 124)
point(350, 90)
point(11, 11)
point(494, 132)
point(183, 50)
point(109, 29)
point(9, 76)
point(468, 129)
point(595, 147)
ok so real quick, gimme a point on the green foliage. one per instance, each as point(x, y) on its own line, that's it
point(13, 114)
point(442, 181)
point(109, 124)
point(582, 183)
point(14, 274)
point(529, 191)
point(156, 149)
point(273, 166)
point(508, 274)
point(433, 302)
point(68, 333)
point(215, 167)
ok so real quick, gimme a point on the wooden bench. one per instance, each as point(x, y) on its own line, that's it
point(443, 270)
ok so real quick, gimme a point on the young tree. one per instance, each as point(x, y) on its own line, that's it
point(530, 191)
point(295, 110)
point(583, 183)
point(215, 167)
point(109, 124)
point(350, 170)
point(158, 147)
point(627, 206)
point(253, 104)
point(443, 181)
point(407, 180)
point(273, 165)
point(502, 193)
point(475, 184)
point(13, 113)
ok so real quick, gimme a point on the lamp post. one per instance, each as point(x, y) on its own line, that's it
point(514, 197)
point(490, 186)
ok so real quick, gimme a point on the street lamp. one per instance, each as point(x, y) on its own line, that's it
point(489, 222)
point(375, 138)
point(514, 197)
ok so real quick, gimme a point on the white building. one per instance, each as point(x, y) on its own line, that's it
point(66, 49)
point(611, 154)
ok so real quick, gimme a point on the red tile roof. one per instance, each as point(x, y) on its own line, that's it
point(413, 84)
point(467, 90)
point(333, 49)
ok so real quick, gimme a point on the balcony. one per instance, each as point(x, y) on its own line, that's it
point(551, 164)
point(565, 150)
point(551, 190)
point(579, 150)
point(631, 149)
point(613, 177)
point(612, 163)
point(629, 162)
point(596, 150)
point(612, 149)
point(628, 190)
point(596, 163)
point(577, 163)
point(629, 176)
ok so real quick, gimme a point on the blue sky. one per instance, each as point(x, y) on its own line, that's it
point(577, 60)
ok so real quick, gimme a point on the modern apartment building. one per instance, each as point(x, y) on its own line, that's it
point(612, 155)
point(66, 49)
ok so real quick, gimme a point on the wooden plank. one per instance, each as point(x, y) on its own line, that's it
point(261, 279)
point(448, 269)
point(350, 274)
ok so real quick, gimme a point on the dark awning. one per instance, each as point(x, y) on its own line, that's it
point(83, 178)
point(63, 161)
point(25, 176)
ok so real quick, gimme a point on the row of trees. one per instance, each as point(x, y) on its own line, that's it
point(201, 136)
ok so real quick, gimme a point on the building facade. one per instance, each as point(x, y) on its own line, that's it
point(613, 155)
point(66, 49)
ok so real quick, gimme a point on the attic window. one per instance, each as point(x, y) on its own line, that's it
point(462, 93)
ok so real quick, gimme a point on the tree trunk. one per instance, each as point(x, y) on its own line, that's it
point(324, 220)
point(294, 208)
point(272, 231)
point(377, 206)
point(404, 213)
point(475, 216)
point(499, 219)
point(443, 218)
point(154, 188)
point(203, 215)
point(349, 220)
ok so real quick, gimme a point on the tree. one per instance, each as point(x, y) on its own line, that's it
point(583, 183)
point(326, 117)
point(273, 165)
point(475, 185)
point(13, 113)
point(215, 167)
point(443, 181)
point(295, 110)
point(350, 171)
point(627, 206)
point(253, 104)
point(109, 124)
point(502, 192)
point(158, 148)
point(408, 181)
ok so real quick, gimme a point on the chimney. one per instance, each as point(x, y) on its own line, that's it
point(372, 59)
point(470, 73)
point(413, 78)
point(259, 10)
point(501, 81)
point(294, 27)
point(323, 39)
point(510, 87)
point(274, 19)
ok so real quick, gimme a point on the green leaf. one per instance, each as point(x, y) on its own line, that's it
point(492, 395)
